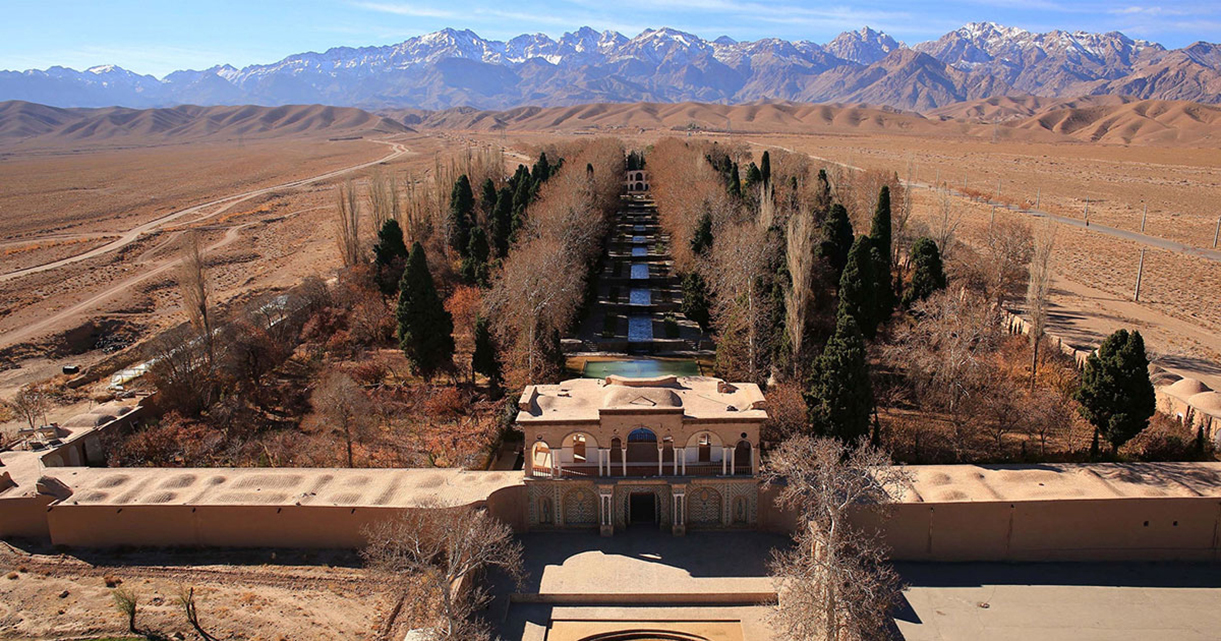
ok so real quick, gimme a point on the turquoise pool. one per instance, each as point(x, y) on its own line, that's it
point(640, 368)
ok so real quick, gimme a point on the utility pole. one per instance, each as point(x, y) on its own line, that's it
point(1087, 211)
point(1140, 271)
point(1217, 234)
point(1143, 216)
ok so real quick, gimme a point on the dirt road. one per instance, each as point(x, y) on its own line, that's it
point(222, 204)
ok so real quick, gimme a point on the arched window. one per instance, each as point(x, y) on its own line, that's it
point(705, 448)
point(616, 450)
point(642, 435)
point(578, 448)
point(741, 455)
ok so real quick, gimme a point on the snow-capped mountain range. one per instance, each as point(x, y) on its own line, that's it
point(457, 67)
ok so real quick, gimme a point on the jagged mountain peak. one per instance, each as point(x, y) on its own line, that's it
point(453, 67)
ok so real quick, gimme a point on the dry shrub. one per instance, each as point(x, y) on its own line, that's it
point(1166, 439)
point(787, 413)
point(446, 403)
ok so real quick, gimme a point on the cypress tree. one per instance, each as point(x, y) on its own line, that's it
point(542, 169)
point(696, 303)
point(475, 265)
point(879, 235)
point(483, 359)
point(502, 221)
point(928, 276)
point(753, 175)
point(521, 200)
point(840, 398)
point(488, 197)
point(858, 287)
point(425, 329)
point(1116, 395)
point(735, 181)
point(837, 239)
point(461, 206)
point(701, 240)
point(765, 168)
point(389, 256)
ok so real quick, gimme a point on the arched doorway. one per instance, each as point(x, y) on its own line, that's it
point(741, 458)
point(616, 450)
point(642, 449)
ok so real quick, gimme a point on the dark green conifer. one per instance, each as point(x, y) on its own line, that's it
point(928, 276)
point(389, 256)
point(461, 210)
point(425, 328)
point(1116, 394)
point(840, 398)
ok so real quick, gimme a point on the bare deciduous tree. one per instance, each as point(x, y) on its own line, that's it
point(186, 600)
point(348, 223)
point(798, 297)
point(445, 547)
point(945, 222)
point(738, 261)
point(1038, 291)
point(834, 583)
point(193, 284)
point(345, 407)
point(1008, 249)
point(31, 404)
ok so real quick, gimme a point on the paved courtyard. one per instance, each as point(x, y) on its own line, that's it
point(710, 583)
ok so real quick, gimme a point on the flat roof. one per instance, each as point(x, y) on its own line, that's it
point(1062, 481)
point(397, 488)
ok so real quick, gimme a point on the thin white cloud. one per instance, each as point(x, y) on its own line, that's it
point(403, 9)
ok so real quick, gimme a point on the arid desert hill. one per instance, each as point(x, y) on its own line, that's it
point(32, 124)
point(1097, 119)
point(1106, 119)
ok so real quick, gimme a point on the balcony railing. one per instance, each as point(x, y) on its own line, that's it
point(638, 470)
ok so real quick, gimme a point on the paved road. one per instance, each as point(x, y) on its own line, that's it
point(131, 235)
point(1136, 237)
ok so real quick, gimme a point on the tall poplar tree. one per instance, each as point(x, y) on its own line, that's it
point(425, 328)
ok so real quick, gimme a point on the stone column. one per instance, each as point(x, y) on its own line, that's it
point(677, 454)
point(733, 454)
point(660, 462)
point(682, 453)
point(754, 459)
point(558, 463)
point(724, 460)
point(623, 457)
point(606, 515)
point(678, 520)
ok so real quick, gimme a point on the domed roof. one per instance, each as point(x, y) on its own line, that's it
point(1186, 388)
point(1207, 401)
point(640, 397)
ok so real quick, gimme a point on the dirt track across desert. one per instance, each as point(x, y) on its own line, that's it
point(131, 235)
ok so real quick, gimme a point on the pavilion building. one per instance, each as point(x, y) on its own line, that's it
point(677, 452)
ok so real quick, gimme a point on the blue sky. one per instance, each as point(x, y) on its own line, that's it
point(159, 37)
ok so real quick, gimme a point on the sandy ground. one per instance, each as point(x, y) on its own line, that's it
point(253, 595)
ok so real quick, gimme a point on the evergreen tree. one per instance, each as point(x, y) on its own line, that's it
point(837, 239)
point(502, 221)
point(475, 265)
point(735, 181)
point(389, 256)
point(840, 398)
point(928, 276)
point(484, 360)
point(879, 235)
point(701, 240)
point(425, 329)
point(765, 168)
point(542, 170)
point(521, 200)
point(858, 287)
point(753, 175)
point(1116, 395)
point(823, 196)
point(696, 302)
point(487, 200)
point(461, 208)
